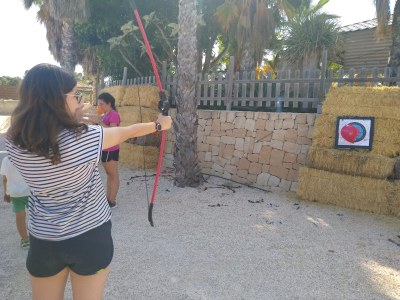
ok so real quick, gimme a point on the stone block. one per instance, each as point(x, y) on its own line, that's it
point(239, 122)
point(310, 132)
point(217, 168)
point(238, 153)
point(276, 144)
point(242, 173)
point(265, 155)
point(227, 126)
point(279, 171)
point(276, 158)
point(228, 151)
point(287, 124)
point(231, 169)
point(216, 125)
point(301, 140)
point(279, 135)
point(292, 147)
point(260, 124)
point(244, 164)
point(302, 130)
point(239, 133)
point(250, 124)
point(294, 186)
point(270, 125)
point(214, 150)
point(214, 140)
point(263, 135)
point(220, 161)
point(228, 140)
point(253, 157)
point(204, 114)
point(222, 116)
point(311, 119)
point(274, 116)
point(291, 135)
point(285, 185)
point(255, 168)
point(290, 158)
point(278, 124)
point(257, 147)
point(273, 181)
point(262, 179)
point(239, 144)
point(230, 116)
point(248, 145)
point(208, 156)
point(301, 119)
point(203, 147)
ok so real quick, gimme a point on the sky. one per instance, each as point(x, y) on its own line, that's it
point(24, 44)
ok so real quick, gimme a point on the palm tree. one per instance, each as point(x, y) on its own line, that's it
point(383, 14)
point(59, 18)
point(185, 124)
point(306, 36)
point(250, 27)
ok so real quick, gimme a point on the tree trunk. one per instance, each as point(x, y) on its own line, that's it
point(187, 169)
point(394, 60)
point(247, 62)
point(68, 49)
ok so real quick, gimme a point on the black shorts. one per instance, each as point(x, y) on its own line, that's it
point(85, 254)
point(109, 155)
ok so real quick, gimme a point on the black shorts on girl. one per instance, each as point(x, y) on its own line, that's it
point(109, 155)
point(85, 254)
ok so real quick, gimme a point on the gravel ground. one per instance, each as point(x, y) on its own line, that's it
point(226, 241)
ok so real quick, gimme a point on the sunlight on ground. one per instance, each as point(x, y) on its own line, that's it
point(318, 221)
point(4, 123)
point(385, 279)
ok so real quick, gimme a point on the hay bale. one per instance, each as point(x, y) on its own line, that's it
point(117, 92)
point(146, 96)
point(351, 162)
point(355, 192)
point(132, 155)
point(379, 102)
point(385, 140)
point(133, 114)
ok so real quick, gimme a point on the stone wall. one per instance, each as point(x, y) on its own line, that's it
point(259, 148)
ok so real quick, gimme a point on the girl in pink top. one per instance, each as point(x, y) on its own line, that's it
point(109, 157)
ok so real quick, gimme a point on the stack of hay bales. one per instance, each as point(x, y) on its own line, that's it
point(353, 178)
point(137, 104)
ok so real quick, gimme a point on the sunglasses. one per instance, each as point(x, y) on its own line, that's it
point(78, 96)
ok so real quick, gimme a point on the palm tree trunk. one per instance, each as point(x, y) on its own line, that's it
point(68, 48)
point(187, 169)
point(394, 60)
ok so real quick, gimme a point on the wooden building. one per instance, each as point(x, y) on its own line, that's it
point(362, 48)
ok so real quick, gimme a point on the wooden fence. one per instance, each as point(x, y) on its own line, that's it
point(283, 91)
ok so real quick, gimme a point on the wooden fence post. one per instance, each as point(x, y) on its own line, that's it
point(124, 76)
point(229, 84)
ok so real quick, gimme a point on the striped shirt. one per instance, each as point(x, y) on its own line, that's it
point(68, 198)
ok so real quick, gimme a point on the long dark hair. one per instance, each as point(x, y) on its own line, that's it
point(42, 112)
point(109, 99)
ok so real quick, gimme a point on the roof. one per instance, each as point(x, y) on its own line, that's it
point(369, 24)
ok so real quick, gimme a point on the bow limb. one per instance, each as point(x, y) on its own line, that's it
point(163, 105)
